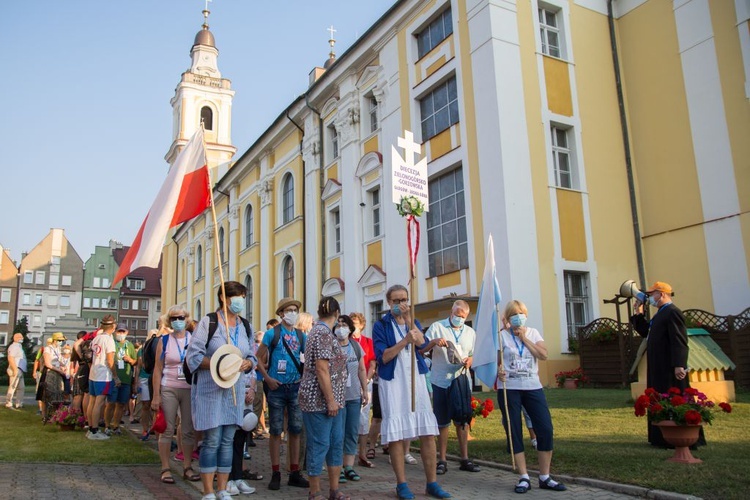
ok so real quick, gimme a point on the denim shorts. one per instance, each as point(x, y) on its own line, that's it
point(325, 436)
point(119, 394)
point(285, 396)
point(97, 388)
point(216, 450)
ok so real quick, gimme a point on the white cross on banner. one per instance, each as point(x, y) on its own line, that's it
point(408, 178)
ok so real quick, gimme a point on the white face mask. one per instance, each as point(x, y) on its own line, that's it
point(290, 318)
point(342, 332)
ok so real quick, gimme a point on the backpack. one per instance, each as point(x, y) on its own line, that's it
point(459, 399)
point(213, 325)
point(275, 341)
point(149, 353)
point(87, 353)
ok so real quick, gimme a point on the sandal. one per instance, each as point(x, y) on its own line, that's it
point(337, 495)
point(351, 475)
point(434, 490)
point(192, 476)
point(442, 467)
point(469, 466)
point(315, 496)
point(366, 463)
point(545, 485)
point(403, 492)
point(168, 479)
point(370, 453)
point(252, 476)
point(342, 477)
point(521, 487)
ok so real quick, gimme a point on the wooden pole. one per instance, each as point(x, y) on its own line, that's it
point(413, 347)
point(505, 390)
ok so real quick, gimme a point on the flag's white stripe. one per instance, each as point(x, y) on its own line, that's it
point(485, 348)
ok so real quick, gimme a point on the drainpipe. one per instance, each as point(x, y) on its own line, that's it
point(322, 203)
point(304, 216)
point(626, 145)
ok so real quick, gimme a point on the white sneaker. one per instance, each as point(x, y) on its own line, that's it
point(99, 436)
point(244, 488)
point(231, 489)
point(224, 495)
point(210, 496)
point(409, 459)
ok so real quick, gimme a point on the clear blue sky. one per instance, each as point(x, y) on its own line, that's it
point(86, 87)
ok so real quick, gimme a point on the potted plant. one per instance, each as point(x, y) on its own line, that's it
point(603, 334)
point(480, 408)
point(571, 379)
point(679, 415)
point(68, 418)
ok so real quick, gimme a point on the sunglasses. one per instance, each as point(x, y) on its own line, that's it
point(181, 318)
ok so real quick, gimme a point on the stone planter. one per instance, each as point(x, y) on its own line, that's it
point(681, 437)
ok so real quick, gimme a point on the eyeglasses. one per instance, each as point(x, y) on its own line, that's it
point(400, 301)
point(181, 318)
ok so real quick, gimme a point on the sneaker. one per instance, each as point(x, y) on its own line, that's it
point(244, 488)
point(179, 456)
point(88, 433)
point(231, 489)
point(275, 483)
point(107, 432)
point(98, 436)
point(117, 432)
point(298, 480)
point(409, 459)
point(246, 455)
point(210, 496)
point(223, 495)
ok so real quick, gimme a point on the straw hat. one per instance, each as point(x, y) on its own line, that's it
point(225, 365)
point(286, 302)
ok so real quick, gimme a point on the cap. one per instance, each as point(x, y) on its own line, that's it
point(58, 336)
point(122, 327)
point(286, 302)
point(660, 286)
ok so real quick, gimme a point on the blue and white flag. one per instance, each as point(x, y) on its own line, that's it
point(487, 344)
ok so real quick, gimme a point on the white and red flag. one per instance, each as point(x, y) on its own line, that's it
point(185, 194)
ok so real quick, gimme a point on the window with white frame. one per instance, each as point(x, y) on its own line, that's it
point(143, 324)
point(112, 303)
point(65, 301)
point(40, 277)
point(125, 303)
point(335, 231)
point(67, 280)
point(50, 320)
point(288, 277)
point(372, 109)
point(54, 279)
point(52, 300)
point(447, 246)
point(374, 195)
point(55, 260)
point(5, 295)
point(137, 284)
point(105, 282)
point(198, 309)
point(4, 317)
point(28, 277)
point(562, 157)
point(96, 282)
point(144, 305)
point(26, 299)
point(549, 31)
point(437, 31)
point(38, 299)
point(158, 306)
point(249, 299)
point(95, 302)
point(134, 304)
point(376, 310)
point(222, 254)
point(576, 301)
point(199, 263)
point(439, 109)
point(37, 321)
point(333, 142)
point(248, 225)
point(287, 199)
point(87, 302)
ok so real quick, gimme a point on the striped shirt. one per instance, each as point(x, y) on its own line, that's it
point(213, 406)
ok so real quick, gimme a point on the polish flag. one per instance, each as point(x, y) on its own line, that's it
point(184, 195)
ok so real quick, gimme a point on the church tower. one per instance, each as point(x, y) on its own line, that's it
point(204, 96)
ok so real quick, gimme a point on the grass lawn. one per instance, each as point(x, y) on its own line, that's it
point(24, 439)
point(598, 436)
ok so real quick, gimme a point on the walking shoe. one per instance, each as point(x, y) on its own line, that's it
point(18, 407)
point(434, 490)
point(244, 488)
point(179, 456)
point(409, 459)
point(223, 495)
point(88, 433)
point(275, 483)
point(403, 492)
point(231, 489)
point(116, 431)
point(298, 480)
point(107, 431)
point(210, 496)
point(246, 455)
point(98, 436)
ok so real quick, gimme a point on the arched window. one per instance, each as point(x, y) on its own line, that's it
point(288, 284)
point(249, 299)
point(288, 198)
point(207, 117)
point(199, 263)
point(198, 311)
point(222, 256)
point(248, 225)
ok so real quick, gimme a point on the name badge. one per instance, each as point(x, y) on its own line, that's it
point(180, 374)
point(121, 365)
point(349, 380)
point(281, 367)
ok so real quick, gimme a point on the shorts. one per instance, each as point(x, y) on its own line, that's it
point(119, 394)
point(82, 380)
point(325, 441)
point(285, 396)
point(143, 389)
point(441, 406)
point(376, 411)
point(97, 388)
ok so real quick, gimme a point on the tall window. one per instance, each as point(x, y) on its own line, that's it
point(439, 109)
point(5, 295)
point(335, 231)
point(40, 277)
point(4, 317)
point(576, 301)
point(334, 141)
point(207, 117)
point(549, 31)
point(373, 111)
point(288, 283)
point(376, 309)
point(375, 205)
point(288, 199)
point(199, 263)
point(28, 277)
point(198, 310)
point(222, 256)
point(562, 158)
point(248, 225)
point(26, 299)
point(249, 299)
point(436, 32)
point(447, 247)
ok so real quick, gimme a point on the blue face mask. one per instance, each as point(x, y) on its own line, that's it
point(457, 321)
point(237, 305)
point(178, 325)
point(652, 300)
point(396, 310)
point(518, 320)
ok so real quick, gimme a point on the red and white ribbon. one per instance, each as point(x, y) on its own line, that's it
point(412, 240)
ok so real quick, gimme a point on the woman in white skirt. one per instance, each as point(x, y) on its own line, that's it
point(394, 340)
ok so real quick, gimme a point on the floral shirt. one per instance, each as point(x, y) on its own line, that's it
point(322, 344)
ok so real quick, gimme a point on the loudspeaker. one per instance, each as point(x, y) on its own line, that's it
point(630, 290)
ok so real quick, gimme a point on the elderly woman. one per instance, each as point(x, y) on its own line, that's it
point(355, 394)
point(394, 339)
point(217, 411)
point(51, 389)
point(172, 391)
point(518, 369)
point(321, 399)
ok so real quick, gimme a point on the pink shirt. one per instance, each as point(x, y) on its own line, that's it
point(173, 358)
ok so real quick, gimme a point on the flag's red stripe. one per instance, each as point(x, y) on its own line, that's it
point(127, 262)
point(194, 196)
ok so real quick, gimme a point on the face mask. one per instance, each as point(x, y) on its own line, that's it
point(237, 305)
point(517, 320)
point(290, 318)
point(60, 342)
point(342, 333)
point(457, 321)
point(652, 300)
point(121, 337)
point(396, 310)
point(178, 325)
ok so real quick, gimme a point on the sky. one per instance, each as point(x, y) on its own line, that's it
point(86, 91)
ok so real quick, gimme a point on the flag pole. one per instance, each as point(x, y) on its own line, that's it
point(218, 250)
point(505, 390)
point(413, 325)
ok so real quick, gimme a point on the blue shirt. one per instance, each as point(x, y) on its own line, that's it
point(280, 357)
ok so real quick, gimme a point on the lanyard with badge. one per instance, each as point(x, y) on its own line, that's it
point(401, 333)
point(182, 352)
point(120, 355)
point(518, 364)
point(235, 335)
point(281, 364)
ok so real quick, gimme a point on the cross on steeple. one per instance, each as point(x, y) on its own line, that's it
point(331, 30)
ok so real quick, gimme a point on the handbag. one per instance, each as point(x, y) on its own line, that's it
point(160, 422)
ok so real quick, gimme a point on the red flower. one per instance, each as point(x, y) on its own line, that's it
point(474, 403)
point(485, 413)
point(691, 391)
point(640, 411)
point(726, 407)
point(674, 390)
point(692, 417)
point(488, 405)
point(677, 401)
point(656, 408)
